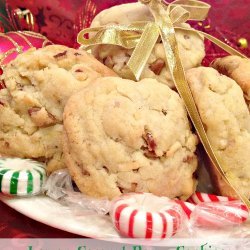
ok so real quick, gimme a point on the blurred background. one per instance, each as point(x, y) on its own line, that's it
point(61, 20)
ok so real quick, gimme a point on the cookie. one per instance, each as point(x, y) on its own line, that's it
point(236, 68)
point(226, 118)
point(121, 136)
point(191, 45)
point(37, 85)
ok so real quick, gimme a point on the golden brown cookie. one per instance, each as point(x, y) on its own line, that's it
point(190, 44)
point(122, 136)
point(236, 68)
point(226, 118)
point(37, 85)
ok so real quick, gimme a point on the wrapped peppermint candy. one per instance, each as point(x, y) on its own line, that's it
point(59, 187)
point(147, 216)
point(199, 197)
point(219, 214)
point(144, 215)
point(214, 211)
point(21, 177)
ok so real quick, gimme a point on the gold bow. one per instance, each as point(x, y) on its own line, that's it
point(142, 36)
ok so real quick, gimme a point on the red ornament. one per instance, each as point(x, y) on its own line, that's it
point(54, 19)
point(14, 43)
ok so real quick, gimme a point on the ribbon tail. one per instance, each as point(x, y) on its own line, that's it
point(216, 41)
point(167, 33)
point(222, 45)
point(143, 50)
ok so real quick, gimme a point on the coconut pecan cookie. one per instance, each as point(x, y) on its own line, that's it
point(238, 69)
point(36, 86)
point(191, 45)
point(121, 136)
point(227, 121)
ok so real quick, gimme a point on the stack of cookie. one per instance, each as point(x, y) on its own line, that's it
point(119, 136)
point(64, 107)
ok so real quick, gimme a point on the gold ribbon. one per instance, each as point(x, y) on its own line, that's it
point(143, 35)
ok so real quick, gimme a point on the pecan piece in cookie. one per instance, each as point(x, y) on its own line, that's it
point(188, 159)
point(60, 54)
point(190, 45)
point(149, 149)
point(77, 54)
point(164, 111)
point(225, 114)
point(41, 117)
point(115, 130)
point(2, 84)
point(157, 66)
point(37, 85)
point(78, 71)
point(109, 62)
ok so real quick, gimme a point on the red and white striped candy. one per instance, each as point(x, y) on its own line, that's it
point(219, 214)
point(144, 215)
point(198, 198)
point(187, 207)
point(217, 211)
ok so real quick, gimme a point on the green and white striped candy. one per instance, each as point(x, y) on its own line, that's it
point(21, 177)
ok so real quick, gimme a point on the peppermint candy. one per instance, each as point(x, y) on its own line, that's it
point(187, 207)
point(219, 214)
point(217, 211)
point(21, 177)
point(144, 215)
point(198, 198)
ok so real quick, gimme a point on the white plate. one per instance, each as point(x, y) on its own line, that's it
point(52, 213)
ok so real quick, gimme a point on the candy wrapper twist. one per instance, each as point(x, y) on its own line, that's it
point(59, 187)
point(142, 36)
point(144, 215)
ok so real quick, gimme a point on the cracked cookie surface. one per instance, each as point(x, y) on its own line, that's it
point(121, 136)
point(238, 69)
point(35, 88)
point(191, 45)
point(226, 119)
